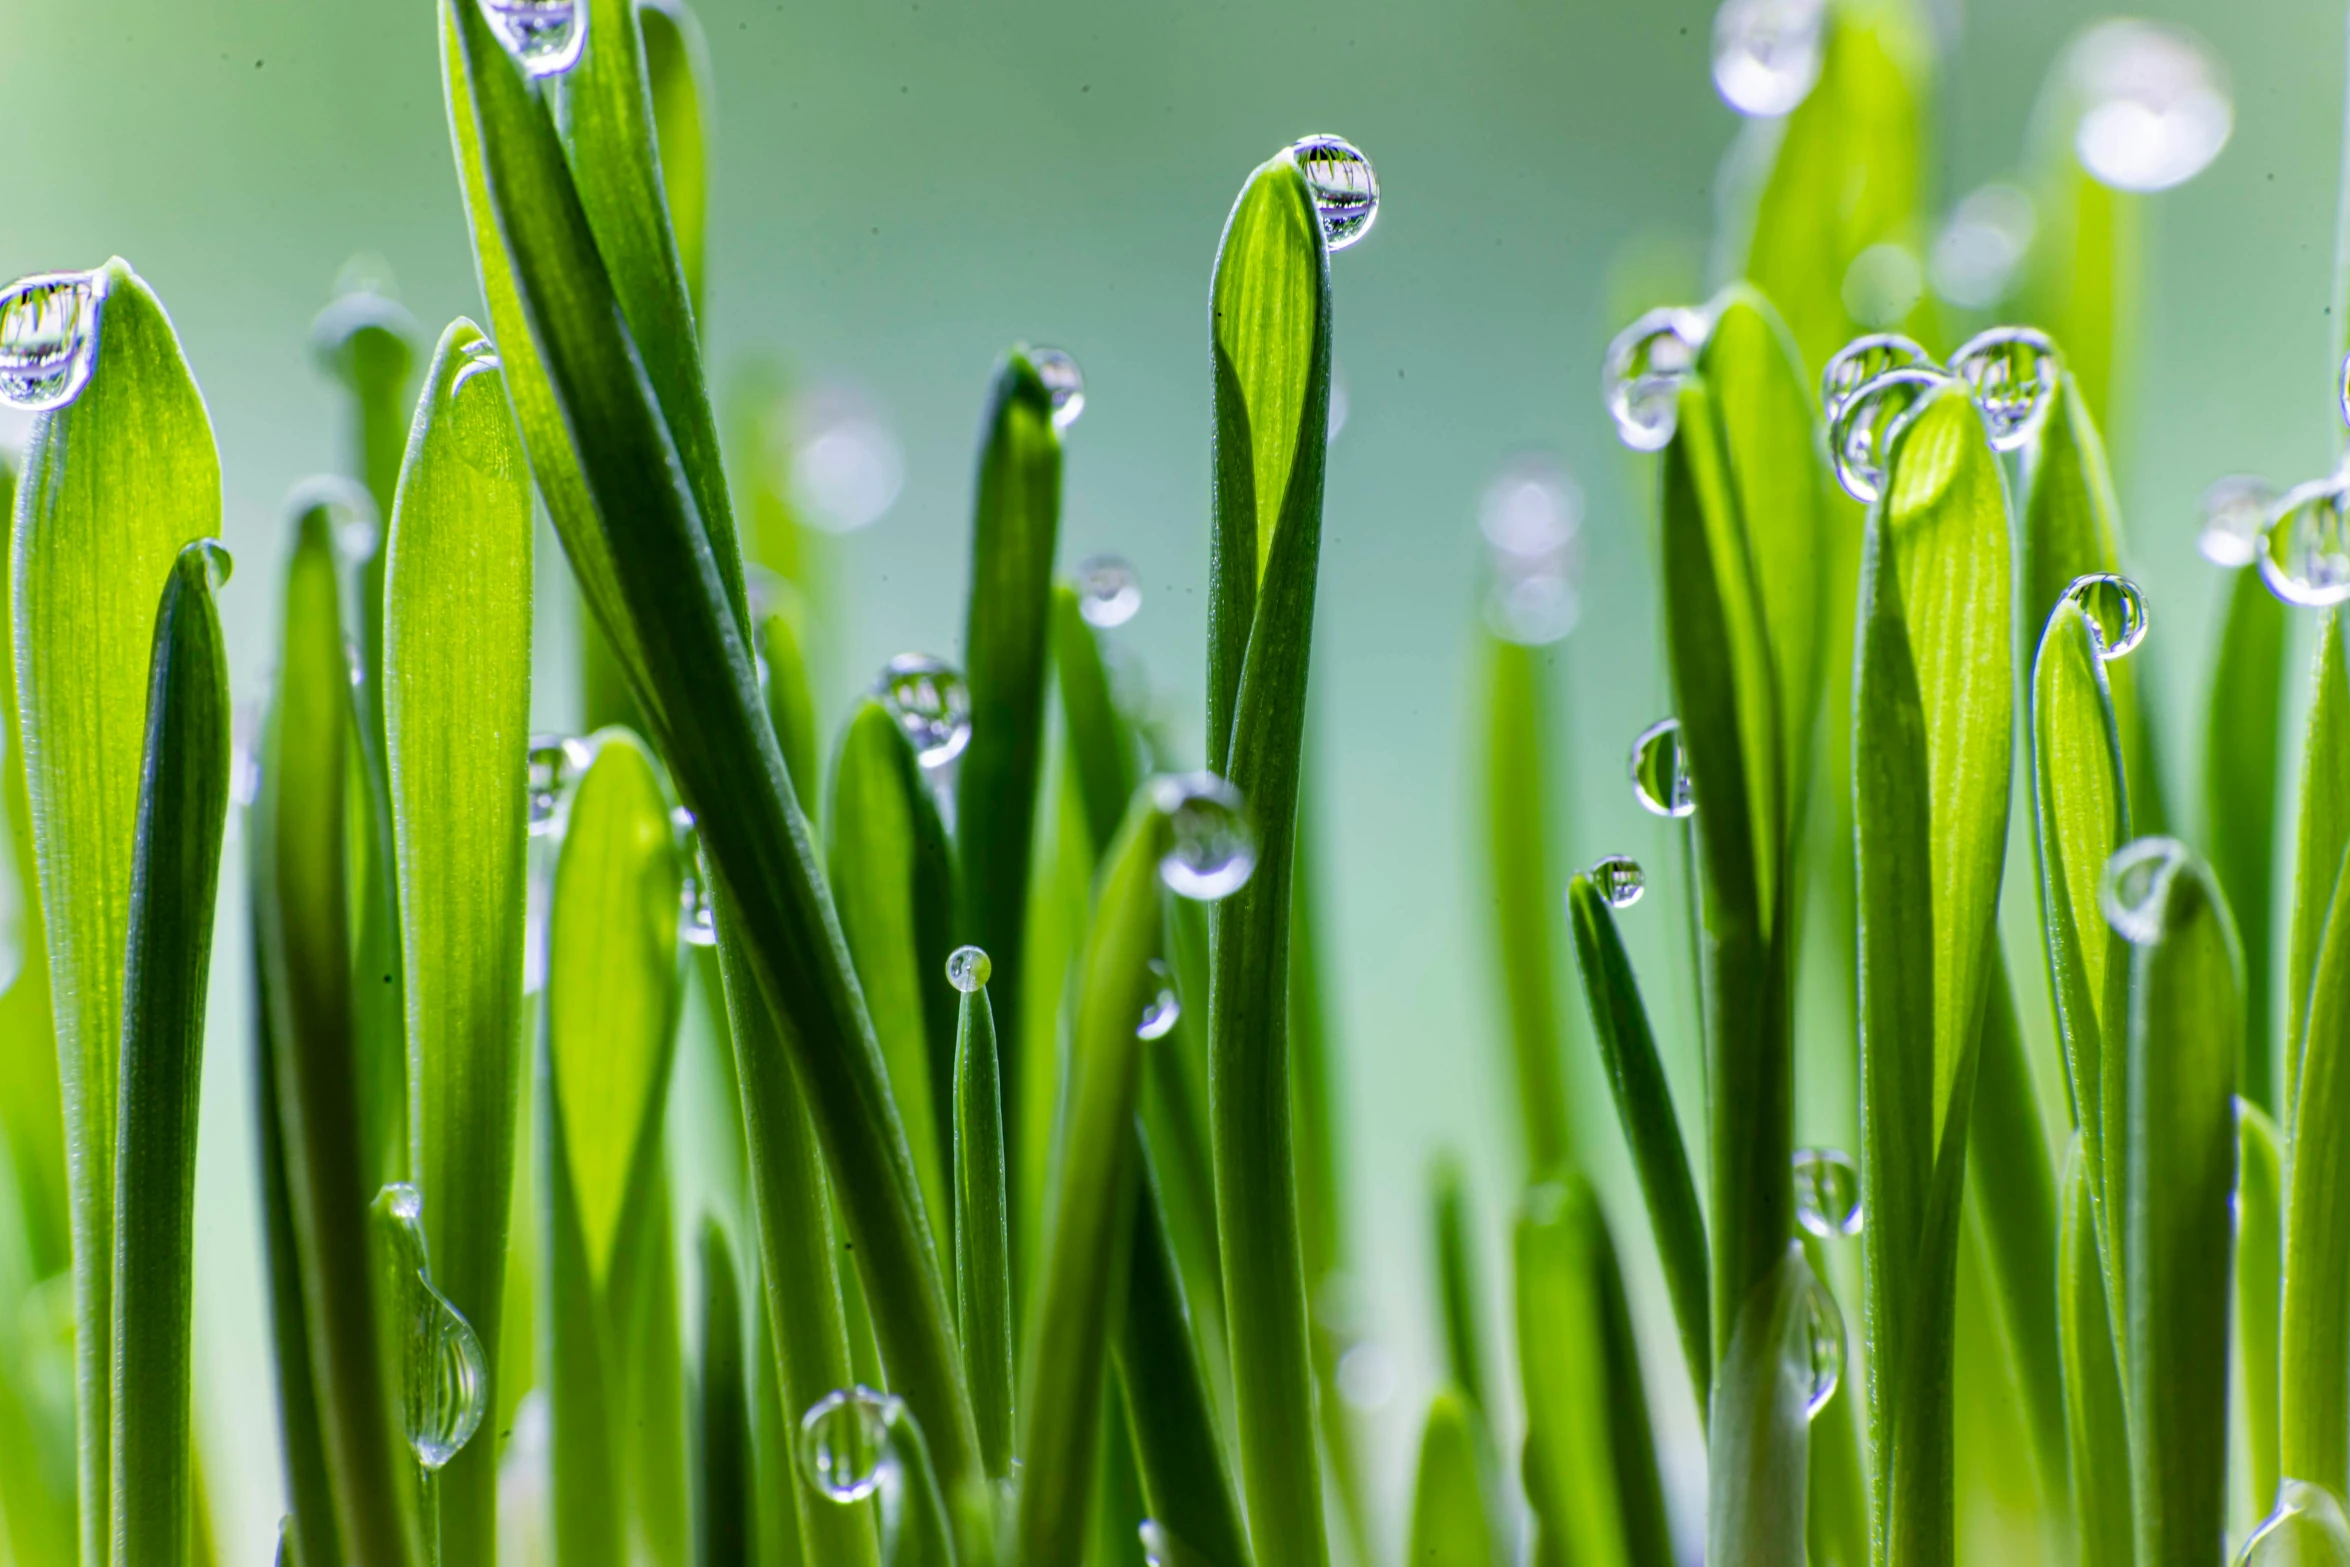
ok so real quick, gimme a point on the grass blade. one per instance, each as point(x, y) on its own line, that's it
point(725, 1518)
point(2243, 733)
point(677, 64)
point(2082, 279)
point(2321, 838)
point(1449, 1528)
point(2096, 1430)
point(2260, 1248)
point(1519, 788)
point(1760, 1424)
point(791, 704)
point(983, 1244)
point(1458, 1290)
point(1104, 761)
point(2315, 1321)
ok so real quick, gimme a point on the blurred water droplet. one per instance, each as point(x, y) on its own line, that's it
point(1978, 252)
point(1660, 770)
point(1344, 186)
point(1063, 382)
point(219, 564)
point(545, 36)
point(2306, 1528)
point(2012, 372)
point(844, 1441)
point(1824, 1338)
point(2116, 611)
point(1767, 54)
point(1165, 1011)
point(446, 1376)
point(2155, 104)
point(1531, 516)
point(554, 765)
point(1827, 1192)
point(697, 914)
point(1883, 285)
point(1215, 848)
point(1642, 374)
point(846, 467)
point(1861, 361)
point(49, 338)
point(1366, 1377)
point(1108, 592)
point(351, 516)
point(968, 969)
point(931, 704)
point(2236, 510)
point(1862, 435)
point(2134, 889)
point(1620, 880)
point(2304, 553)
point(1157, 1549)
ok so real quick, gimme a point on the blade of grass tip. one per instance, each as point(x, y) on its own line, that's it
point(1458, 1291)
point(457, 721)
point(1644, 1107)
point(2185, 1013)
point(725, 1485)
point(2096, 1430)
point(650, 563)
point(2081, 279)
point(1761, 1419)
point(2315, 1321)
point(2243, 734)
point(1519, 788)
point(1449, 1527)
point(983, 1248)
point(175, 878)
point(677, 64)
point(2321, 838)
point(1270, 329)
point(791, 702)
point(2260, 1247)
point(643, 1323)
point(115, 482)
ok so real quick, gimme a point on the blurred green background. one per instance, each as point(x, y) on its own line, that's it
point(904, 188)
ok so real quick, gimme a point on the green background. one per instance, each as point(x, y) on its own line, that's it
point(902, 189)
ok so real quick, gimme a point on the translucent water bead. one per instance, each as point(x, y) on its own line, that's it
point(2155, 104)
point(2236, 511)
point(931, 704)
point(2304, 555)
point(1827, 1192)
point(2134, 889)
point(1862, 433)
point(697, 913)
point(2305, 1528)
point(1824, 1340)
point(1861, 361)
point(1063, 382)
point(445, 1376)
point(1642, 375)
point(1109, 593)
point(49, 339)
point(1619, 879)
point(2012, 372)
point(2116, 611)
point(844, 1443)
point(1767, 54)
point(1344, 185)
point(1531, 515)
point(1660, 770)
point(545, 36)
point(968, 969)
point(1215, 848)
point(1165, 1011)
point(556, 763)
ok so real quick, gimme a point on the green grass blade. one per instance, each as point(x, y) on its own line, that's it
point(2096, 1430)
point(2321, 838)
point(1449, 1527)
point(643, 1317)
point(2081, 282)
point(1760, 1425)
point(2260, 1259)
point(677, 65)
point(791, 703)
point(587, 1497)
point(2243, 733)
point(1103, 759)
point(2315, 1321)
point(1520, 786)
point(725, 1481)
point(782, 1497)
point(1459, 1290)
point(175, 877)
point(983, 1243)
point(2185, 1014)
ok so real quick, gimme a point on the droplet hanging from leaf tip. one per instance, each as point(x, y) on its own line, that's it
point(1619, 880)
point(969, 969)
point(1162, 1013)
point(1109, 593)
point(1345, 187)
point(546, 37)
point(2012, 372)
point(49, 339)
point(1642, 374)
point(1827, 1192)
point(2115, 609)
point(1063, 382)
point(931, 704)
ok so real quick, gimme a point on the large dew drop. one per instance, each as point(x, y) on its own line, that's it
point(1767, 53)
point(556, 763)
point(969, 969)
point(49, 339)
point(1063, 382)
point(1862, 434)
point(546, 36)
point(1108, 591)
point(1827, 1192)
point(1618, 879)
point(1215, 848)
point(2116, 611)
point(2134, 889)
point(2305, 553)
point(1344, 186)
point(2236, 510)
point(1164, 1011)
point(2155, 106)
point(2306, 1528)
point(1642, 375)
point(844, 1443)
point(931, 704)
point(1861, 361)
point(1824, 1341)
point(2012, 372)
point(1531, 516)
point(1660, 770)
point(445, 1375)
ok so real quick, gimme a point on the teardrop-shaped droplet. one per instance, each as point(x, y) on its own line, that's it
point(545, 36)
point(1108, 591)
point(2306, 1528)
point(49, 338)
point(556, 762)
point(1981, 249)
point(2012, 372)
point(1767, 54)
point(968, 969)
point(219, 564)
point(1864, 428)
point(1063, 382)
point(1660, 770)
point(1824, 1340)
point(1827, 1192)
point(2236, 511)
point(2304, 555)
point(844, 1443)
point(1861, 361)
point(931, 704)
point(2116, 611)
point(1619, 879)
point(1215, 848)
point(2134, 889)
point(1164, 1011)
point(1642, 374)
point(2154, 102)
point(1344, 186)
point(697, 913)
point(446, 1376)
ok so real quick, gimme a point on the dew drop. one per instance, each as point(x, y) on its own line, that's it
point(555, 764)
point(846, 467)
point(1344, 186)
point(1215, 848)
point(968, 969)
point(1063, 382)
point(2012, 372)
point(1827, 1192)
point(446, 1377)
point(1979, 251)
point(2134, 889)
point(1531, 515)
point(844, 1443)
point(1108, 592)
point(1824, 1342)
point(1865, 426)
point(2236, 510)
point(352, 520)
point(931, 704)
point(1165, 1011)
point(1158, 1550)
point(2305, 1528)
point(219, 564)
point(49, 338)
point(1767, 54)
point(1660, 771)
point(697, 915)
point(481, 358)
point(2304, 553)
point(2116, 611)
point(1861, 361)
point(1620, 880)
point(2155, 104)
point(1642, 375)
point(546, 36)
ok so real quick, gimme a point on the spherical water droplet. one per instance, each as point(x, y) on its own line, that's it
point(1767, 54)
point(1827, 1192)
point(1824, 1338)
point(49, 338)
point(1215, 848)
point(846, 469)
point(1642, 375)
point(1063, 382)
point(2304, 554)
point(1531, 516)
point(1865, 426)
point(546, 36)
point(697, 914)
point(1344, 186)
point(1620, 880)
point(555, 763)
point(481, 358)
point(931, 704)
point(2134, 890)
point(1883, 285)
point(1861, 361)
point(844, 1441)
point(2012, 372)
point(1160, 1017)
point(2306, 1528)
point(1108, 592)
point(1660, 770)
point(2236, 510)
point(219, 564)
point(446, 1376)
point(968, 969)
point(350, 510)
point(1158, 1550)
point(2116, 611)
point(2155, 105)
point(1979, 251)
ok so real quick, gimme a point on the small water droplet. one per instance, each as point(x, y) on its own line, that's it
point(844, 1443)
point(1108, 592)
point(1366, 1376)
point(2304, 554)
point(1620, 880)
point(1824, 1338)
point(1531, 515)
point(1660, 770)
point(1767, 54)
point(1883, 285)
point(2236, 511)
point(1158, 1549)
point(969, 969)
point(1642, 374)
point(1865, 426)
point(49, 338)
point(2306, 1528)
point(1344, 186)
point(2134, 890)
point(1979, 251)
point(1063, 382)
point(1165, 1011)
point(481, 358)
point(350, 510)
point(1827, 1192)
point(554, 765)
point(697, 915)
point(2116, 611)
point(446, 1375)
point(1861, 361)
point(2012, 372)
point(846, 468)
point(219, 564)
point(2155, 104)
point(546, 36)
point(931, 704)
point(1215, 848)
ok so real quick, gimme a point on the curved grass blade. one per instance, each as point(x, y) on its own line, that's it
point(2321, 838)
point(1519, 788)
point(2315, 1317)
point(1760, 1425)
point(725, 1519)
point(2096, 1430)
point(2081, 282)
point(646, 1327)
point(677, 64)
point(1449, 1527)
point(1104, 762)
point(2260, 1248)
point(791, 705)
point(2243, 732)
point(1458, 1294)
point(175, 877)
point(983, 1245)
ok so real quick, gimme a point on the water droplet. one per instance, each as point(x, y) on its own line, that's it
point(546, 36)
point(1215, 848)
point(2134, 890)
point(1531, 516)
point(1824, 1339)
point(1063, 382)
point(1861, 361)
point(1108, 592)
point(2306, 1528)
point(481, 358)
point(1158, 1548)
point(1642, 375)
point(1883, 285)
point(930, 703)
point(1827, 1192)
point(1660, 770)
point(968, 969)
point(2155, 104)
point(1865, 426)
point(49, 338)
point(219, 564)
point(1978, 252)
point(1767, 54)
point(446, 1376)
point(846, 469)
point(2236, 510)
point(350, 511)
point(1344, 186)
point(697, 915)
point(2116, 611)
point(2012, 372)
point(2305, 553)
point(1366, 1377)
point(556, 762)
point(1160, 1017)
point(844, 1442)
point(1620, 880)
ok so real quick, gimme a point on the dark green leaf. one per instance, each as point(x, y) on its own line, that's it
point(1459, 1292)
point(983, 1246)
point(2260, 1259)
point(791, 704)
point(1103, 763)
point(677, 64)
point(1449, 1527)
point(1520, 785)
point(2243, 732)
point(725, 1518)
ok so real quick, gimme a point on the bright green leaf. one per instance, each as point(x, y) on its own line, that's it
point(1449, 1527)
point(2243, 733)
